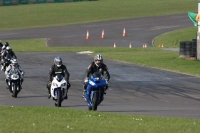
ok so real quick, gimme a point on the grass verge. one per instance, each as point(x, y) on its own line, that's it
point(173, 38)
point(62, 120)
point(51, 14)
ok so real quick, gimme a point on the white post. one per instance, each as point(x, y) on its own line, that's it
point(198, 35)
point(198, 13)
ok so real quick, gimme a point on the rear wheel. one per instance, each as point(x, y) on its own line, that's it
point(59, 100)
point(95, 101)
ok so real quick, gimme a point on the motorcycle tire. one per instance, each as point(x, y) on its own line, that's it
point(59, 100)
point(95, 101)
point(15, 91)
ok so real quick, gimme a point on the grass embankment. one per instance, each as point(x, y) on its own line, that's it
point(62, 120)
point(173, 39)
point(41, 15)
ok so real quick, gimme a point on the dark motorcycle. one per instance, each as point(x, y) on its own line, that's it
point(14, 82)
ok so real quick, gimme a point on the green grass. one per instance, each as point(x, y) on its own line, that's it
point(62, 120)
point(51, 14)
point(174, 38)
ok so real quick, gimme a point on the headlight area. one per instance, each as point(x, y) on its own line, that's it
point(54, 84)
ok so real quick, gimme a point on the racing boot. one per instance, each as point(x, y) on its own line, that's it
point(105, 89)
point(2, 68)
point(49, 96)
point(7, 83)
point(66, 94)
point(84, 91)
point(48, 87)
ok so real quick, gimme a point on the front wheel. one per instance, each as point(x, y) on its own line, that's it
point(15, 91)
point(95, 101)
point(59, 100)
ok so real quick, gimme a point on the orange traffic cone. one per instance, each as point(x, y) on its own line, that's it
point(114, 44)
point(162, 45)
point(144, 45)
point(87, 35)
point(124, 32)
point(102, 34)
point(130, 45)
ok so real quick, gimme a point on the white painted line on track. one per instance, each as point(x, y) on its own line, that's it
point(9, 34)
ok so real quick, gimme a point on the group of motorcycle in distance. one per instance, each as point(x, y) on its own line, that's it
point(93, 96)
point(14, 75)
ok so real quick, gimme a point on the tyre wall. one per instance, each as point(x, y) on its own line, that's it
point(188, 49)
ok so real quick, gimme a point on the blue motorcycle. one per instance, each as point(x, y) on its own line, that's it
point(95, 90)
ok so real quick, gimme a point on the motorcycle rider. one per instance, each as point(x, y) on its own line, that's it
point(1, 45)
point(5, 45)
point(58, 67)
point(3, 49)
point(14, 66)
point(96, 66)
point(8, 52)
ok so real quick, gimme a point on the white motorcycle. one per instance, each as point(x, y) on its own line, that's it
point(58, 89)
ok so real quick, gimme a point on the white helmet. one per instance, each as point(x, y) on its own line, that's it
point(98, 59)
point(14, 62)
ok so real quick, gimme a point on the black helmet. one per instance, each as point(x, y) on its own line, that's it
point(8, 49)
point(6, 44)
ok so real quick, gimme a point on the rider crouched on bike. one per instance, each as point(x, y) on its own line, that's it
point(14, 66)
point(58, 67)
point(5, 46)
point(7, 53)
point(1, 46)
point(96, 66)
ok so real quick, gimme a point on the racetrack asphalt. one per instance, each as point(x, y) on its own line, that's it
point(133, 89)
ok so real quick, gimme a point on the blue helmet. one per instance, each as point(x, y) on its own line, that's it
point(58, 61)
